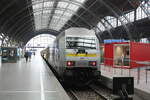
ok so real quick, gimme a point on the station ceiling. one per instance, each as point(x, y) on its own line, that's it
point(138, 29)
point(21, 20)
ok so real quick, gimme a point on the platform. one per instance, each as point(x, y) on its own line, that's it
point(140, 82)
point(29, 81)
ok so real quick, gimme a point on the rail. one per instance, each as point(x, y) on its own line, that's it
point(85, 93)
point(104, 93)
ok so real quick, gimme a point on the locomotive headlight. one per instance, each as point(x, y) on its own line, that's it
point(92, 63)
point(70, 63)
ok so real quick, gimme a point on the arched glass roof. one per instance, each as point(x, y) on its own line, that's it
point(54, 14)
point(143, 11)
point(42, 40)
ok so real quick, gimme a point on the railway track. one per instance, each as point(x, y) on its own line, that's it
point(87, 94)
point(104, 92)
point(91, 92)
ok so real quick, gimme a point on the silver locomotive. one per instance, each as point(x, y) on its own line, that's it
point(75, 55)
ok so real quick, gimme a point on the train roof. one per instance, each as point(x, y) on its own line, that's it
point(77, 31)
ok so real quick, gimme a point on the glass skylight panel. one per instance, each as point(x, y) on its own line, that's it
point(73, 7)
point(60, 26)
point(37, 10)
point(2, 34)
point(53, 21)
point(37, 19)
point(45, 21)
point(37, 13)
point(1, 37)
point(36, 1)
point(130, 16)
point(63, 18)
point(100, 25)
point(48, 4)
point(68, 14)
point(59, 12)
point(37, 6)
point(52, 27)
point(37, 27)
point(62, 22)
point(56, 17)
point(46, 14)
point(123, 20)
point(38, 23)
point(46, 11)
point(45, 17)
point(62, 4)
point(43, 26)
point(48, 8)
point(56, 28)
point(81, 1)
point(60, 17)
point(64, 11)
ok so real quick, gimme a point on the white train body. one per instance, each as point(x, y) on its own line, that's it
point(75, 53)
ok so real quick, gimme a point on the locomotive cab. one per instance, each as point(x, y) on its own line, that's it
point(82, 55)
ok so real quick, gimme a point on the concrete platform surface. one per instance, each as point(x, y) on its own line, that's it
point(29, 81)
point(141, 83)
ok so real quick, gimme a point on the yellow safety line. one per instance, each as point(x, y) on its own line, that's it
point(80, 55)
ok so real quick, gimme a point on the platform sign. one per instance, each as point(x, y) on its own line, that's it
point(123, 84)
point(114, 40)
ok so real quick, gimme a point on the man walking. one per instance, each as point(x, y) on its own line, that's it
point(26, 56)
point(29, 54)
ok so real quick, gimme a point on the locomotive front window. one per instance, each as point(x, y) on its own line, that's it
point(80, 42)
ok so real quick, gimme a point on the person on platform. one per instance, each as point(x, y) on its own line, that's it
point(26, 56)
point(34, 53)
point(29, 54)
